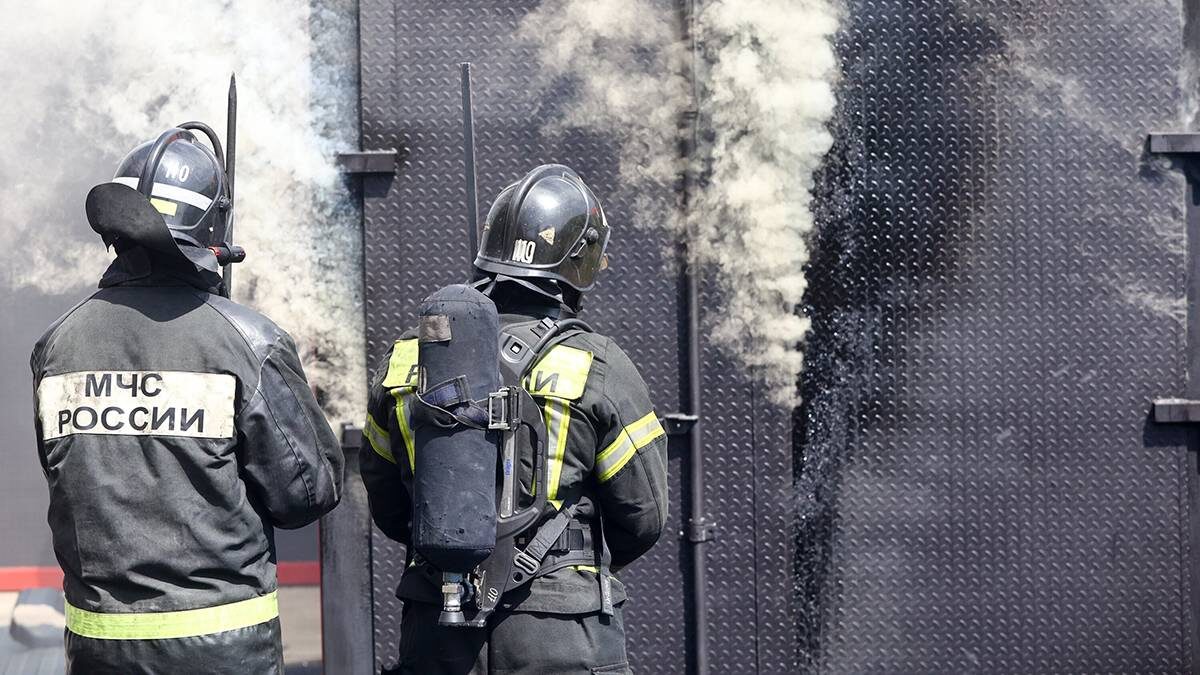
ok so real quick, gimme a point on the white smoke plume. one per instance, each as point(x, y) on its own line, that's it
point(85, 82)
point(765, 79)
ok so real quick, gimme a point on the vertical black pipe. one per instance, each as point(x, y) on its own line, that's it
point(469, 161)
point(1190, 77)
point(1191, 168)
point(699, 529)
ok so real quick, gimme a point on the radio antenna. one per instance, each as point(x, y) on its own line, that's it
point(469, 161)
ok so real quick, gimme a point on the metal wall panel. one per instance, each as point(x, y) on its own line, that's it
point(997, 296)
point(415, 241)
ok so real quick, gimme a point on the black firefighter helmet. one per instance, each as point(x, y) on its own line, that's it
point(547, 226)
point(176, 181)
point(185, 181)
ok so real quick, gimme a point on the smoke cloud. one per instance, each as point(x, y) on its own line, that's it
point(87, 81)
point(764, 83)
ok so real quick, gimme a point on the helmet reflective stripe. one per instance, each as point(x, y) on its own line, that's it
point(164, 206)
point(170, 192)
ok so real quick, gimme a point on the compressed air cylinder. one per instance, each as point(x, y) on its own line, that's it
point(454, 495)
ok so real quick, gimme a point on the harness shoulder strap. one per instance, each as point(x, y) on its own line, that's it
point(517, 342)
point(521, 347)
point(522, 344)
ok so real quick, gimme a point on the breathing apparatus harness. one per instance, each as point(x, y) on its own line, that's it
point(524, 550)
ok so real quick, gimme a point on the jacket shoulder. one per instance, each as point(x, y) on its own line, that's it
point(260, 333)
point(43, 342)
point(611, 368)
point(606, 353)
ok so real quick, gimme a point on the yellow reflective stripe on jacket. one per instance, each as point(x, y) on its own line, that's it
point(618, 453)
point(405, 429)
point(168, 625)
point(558, 421)
point(380, 439)
point(402, 366)
point(402, 378)
point(561, 373)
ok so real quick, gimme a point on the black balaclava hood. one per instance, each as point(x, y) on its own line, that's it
point(126, 220)
point(541, 297)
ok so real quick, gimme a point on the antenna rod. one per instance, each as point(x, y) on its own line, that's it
point(469, 160)
point(230, 157)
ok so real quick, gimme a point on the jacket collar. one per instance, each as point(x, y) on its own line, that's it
point(139, 266)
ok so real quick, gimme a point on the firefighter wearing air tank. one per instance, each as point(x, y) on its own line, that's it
point(514, 451)
point(176, 429)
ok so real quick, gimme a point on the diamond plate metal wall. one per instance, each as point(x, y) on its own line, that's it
point(997, 295)
point(415, 241)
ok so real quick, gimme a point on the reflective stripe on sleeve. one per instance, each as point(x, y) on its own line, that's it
point(380, 440)
point(169, 625)
point(405, 429)
point(618, 453)
point(558, 421)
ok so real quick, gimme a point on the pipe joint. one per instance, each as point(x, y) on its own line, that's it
point(701, 530)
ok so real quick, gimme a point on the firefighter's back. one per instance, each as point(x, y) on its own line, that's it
point(138, 390)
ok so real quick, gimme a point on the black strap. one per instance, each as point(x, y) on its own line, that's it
point(448, 393)
point(529, 559)
point(606, 599)
point(575, 546)
point(452, 399)
point(573, 539)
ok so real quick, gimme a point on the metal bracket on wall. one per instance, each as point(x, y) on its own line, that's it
point(1174, 144)
point(1182, 147)
point(678, 424)
point(368, 161)
point(1176, 411)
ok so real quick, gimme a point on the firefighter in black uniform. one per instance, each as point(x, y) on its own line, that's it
point(176, 429)
point(543, 242)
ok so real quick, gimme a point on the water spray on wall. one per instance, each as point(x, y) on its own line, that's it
point(764, 78)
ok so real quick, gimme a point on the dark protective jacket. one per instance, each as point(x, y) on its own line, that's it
point(176, 429)
point(605, 444)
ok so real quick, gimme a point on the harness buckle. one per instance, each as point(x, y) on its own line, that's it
point(526, 563)
point(503, 409)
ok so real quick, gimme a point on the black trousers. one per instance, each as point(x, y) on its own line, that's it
point(525, 643)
